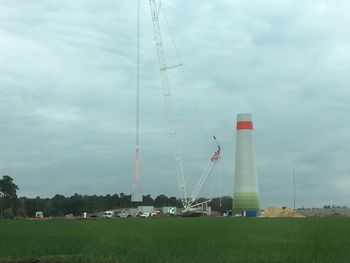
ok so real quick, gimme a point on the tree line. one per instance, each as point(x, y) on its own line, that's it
point(59, 205)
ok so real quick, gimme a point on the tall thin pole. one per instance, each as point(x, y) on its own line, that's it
point(293, 190)
point(137, 195)
point(138, 77)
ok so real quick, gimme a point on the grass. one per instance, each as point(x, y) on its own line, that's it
point(177, 240)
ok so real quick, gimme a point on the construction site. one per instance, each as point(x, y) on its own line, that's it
point(246, 200)
point(117, 155)
point(246, 197)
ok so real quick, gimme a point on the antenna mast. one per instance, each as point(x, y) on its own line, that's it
point(136, 195)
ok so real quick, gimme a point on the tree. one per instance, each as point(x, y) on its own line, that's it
point(8, 195)
point(161, 200)
point(75, 204)
point(222, 205)
point(125, 200)
point(21, 208)
point(59, 205)
point(172, 201)
point(147, 200)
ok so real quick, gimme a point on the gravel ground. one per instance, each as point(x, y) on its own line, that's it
point(326, 212)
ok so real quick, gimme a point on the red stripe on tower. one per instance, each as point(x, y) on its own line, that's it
point(244, 125)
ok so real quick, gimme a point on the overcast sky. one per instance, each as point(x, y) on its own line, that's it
point(67, 95)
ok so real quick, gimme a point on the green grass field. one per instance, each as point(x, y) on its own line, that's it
point(177, 240)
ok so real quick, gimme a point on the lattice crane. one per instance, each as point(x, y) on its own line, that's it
point(187, 203)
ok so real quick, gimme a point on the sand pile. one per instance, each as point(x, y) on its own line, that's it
point(280, 212)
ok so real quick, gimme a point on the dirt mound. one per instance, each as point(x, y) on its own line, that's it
point(280, 212)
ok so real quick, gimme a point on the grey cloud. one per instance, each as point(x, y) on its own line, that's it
point(67, 95)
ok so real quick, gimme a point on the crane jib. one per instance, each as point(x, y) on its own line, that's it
point(187, 203)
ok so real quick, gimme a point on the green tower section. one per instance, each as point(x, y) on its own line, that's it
point(246, 202)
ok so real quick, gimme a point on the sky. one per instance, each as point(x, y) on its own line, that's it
point(68, 92)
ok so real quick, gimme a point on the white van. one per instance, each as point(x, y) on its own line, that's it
point(108, 214)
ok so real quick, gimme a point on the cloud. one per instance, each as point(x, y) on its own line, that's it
point(67, 96)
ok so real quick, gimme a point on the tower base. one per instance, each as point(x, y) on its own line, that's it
point(246, 202)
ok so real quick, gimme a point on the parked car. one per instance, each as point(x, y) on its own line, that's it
point(149, 214)
point(145, 215)
point(124, 213)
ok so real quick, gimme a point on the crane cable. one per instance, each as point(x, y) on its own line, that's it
point(187, 82)
point(155, 11)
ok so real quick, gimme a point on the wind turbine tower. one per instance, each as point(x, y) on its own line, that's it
point(246, 191)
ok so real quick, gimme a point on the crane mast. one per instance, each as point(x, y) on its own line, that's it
point(136, 195)
point(187, 203)
point(155, 10)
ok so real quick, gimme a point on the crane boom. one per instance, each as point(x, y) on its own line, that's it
point(155, 8)
point(187, 203)
point(205, 174)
